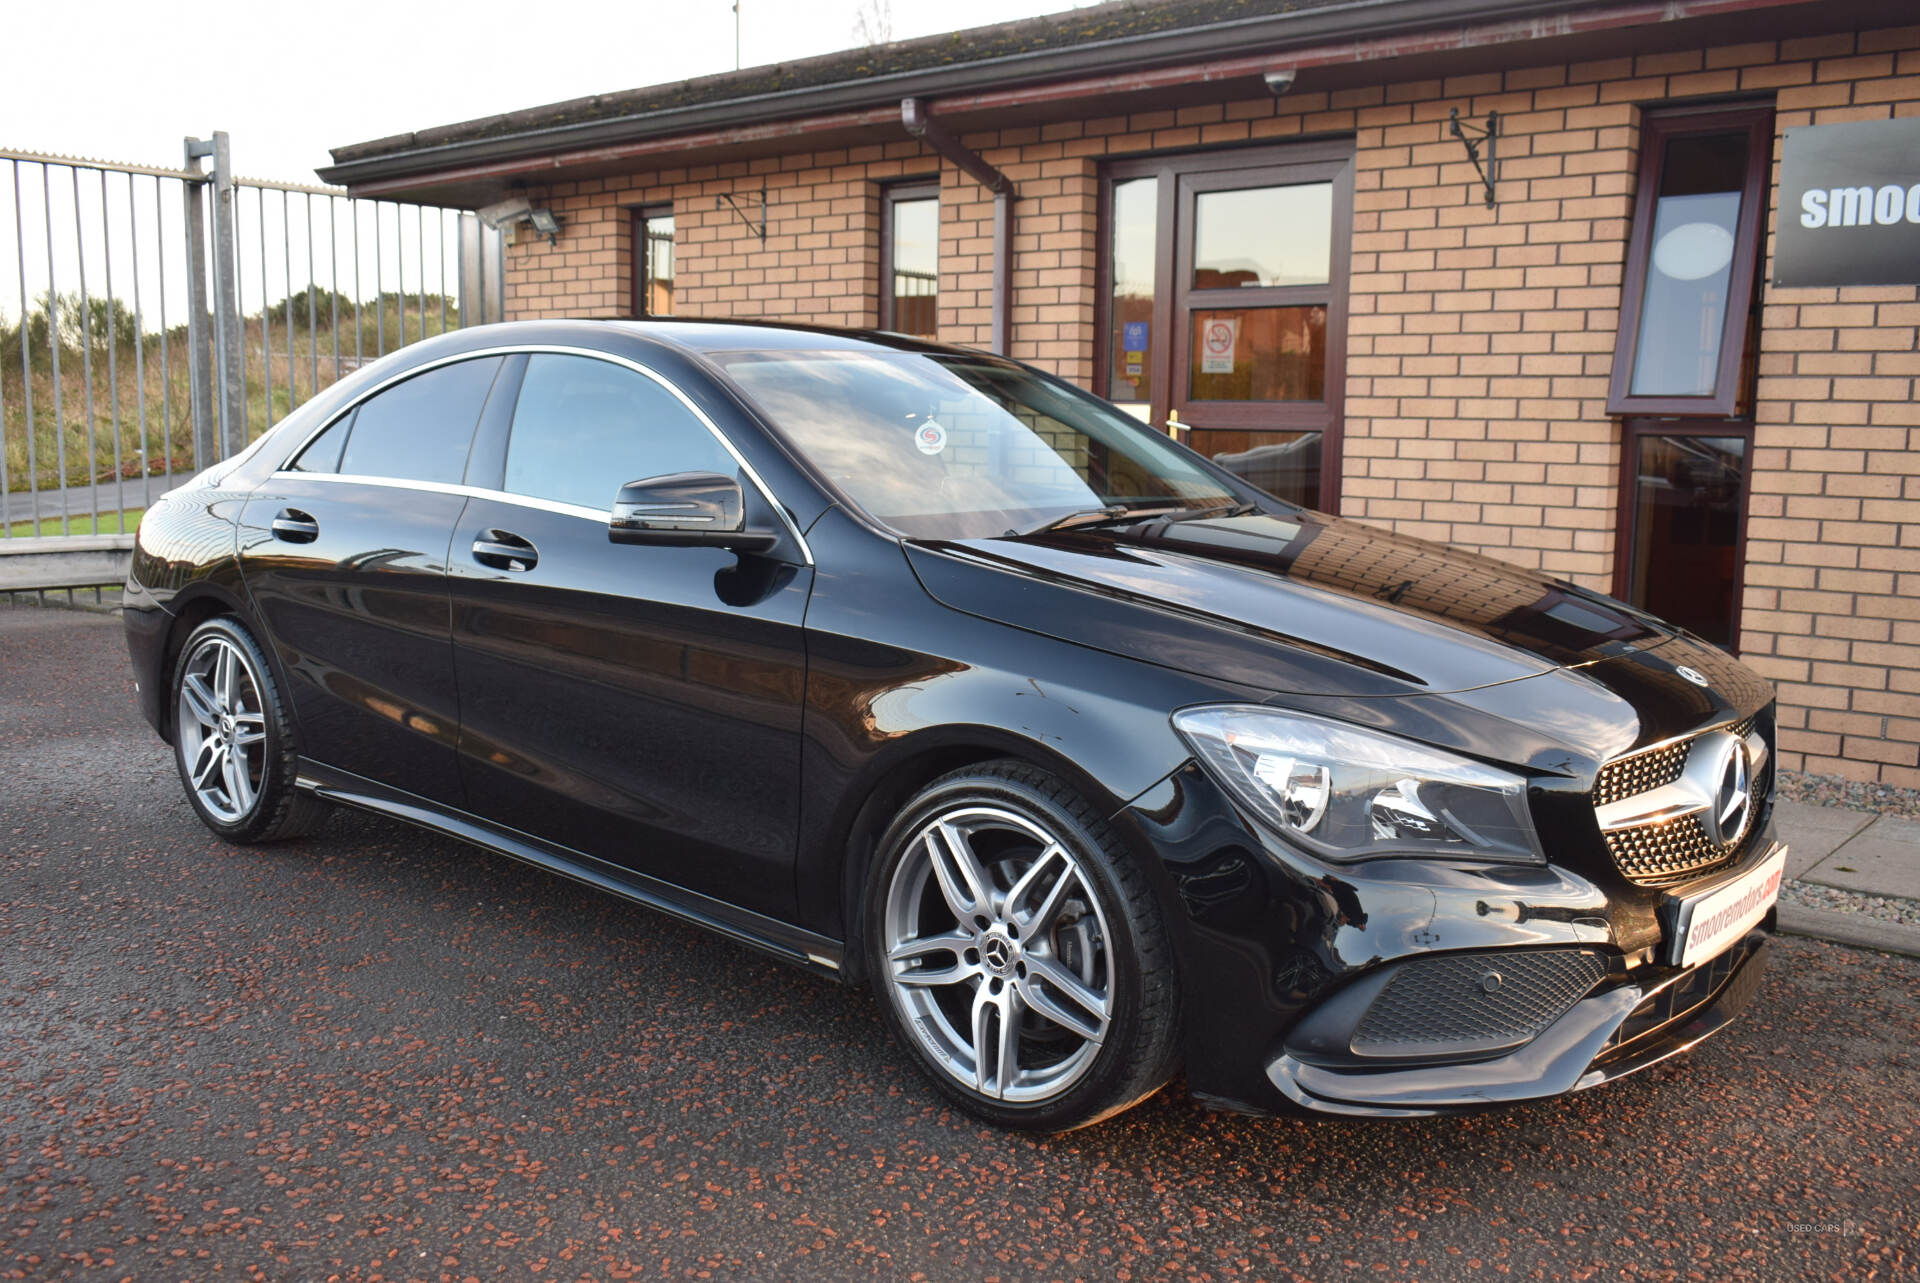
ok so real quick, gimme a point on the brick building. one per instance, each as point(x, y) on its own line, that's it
point(1254, 221)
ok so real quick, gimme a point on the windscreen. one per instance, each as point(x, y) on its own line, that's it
point(954, 447)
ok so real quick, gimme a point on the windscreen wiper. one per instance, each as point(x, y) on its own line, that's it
point(1218, 510)
point(1088, 518)
point(1120, 515)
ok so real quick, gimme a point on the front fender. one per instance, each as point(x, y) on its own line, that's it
point(901, 688)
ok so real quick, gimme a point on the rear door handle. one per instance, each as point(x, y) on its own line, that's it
point(504, 550)
point(295, 526)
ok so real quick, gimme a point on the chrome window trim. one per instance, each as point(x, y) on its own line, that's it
point(601, 515)
point(282, 472)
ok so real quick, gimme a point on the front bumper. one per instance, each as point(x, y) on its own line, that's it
point(1281, 958)
point(1613, 1032)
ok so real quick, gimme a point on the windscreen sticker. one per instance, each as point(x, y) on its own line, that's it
point(930, 437)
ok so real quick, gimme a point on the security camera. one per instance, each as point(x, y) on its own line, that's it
point(1278, 82)
point(506, 213)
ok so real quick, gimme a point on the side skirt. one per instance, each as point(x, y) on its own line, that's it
point(781, 939)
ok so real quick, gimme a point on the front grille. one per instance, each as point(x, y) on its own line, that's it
point(1662, 854)
point(1466, 1003)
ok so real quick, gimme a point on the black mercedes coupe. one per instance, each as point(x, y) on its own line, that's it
point(924, 669)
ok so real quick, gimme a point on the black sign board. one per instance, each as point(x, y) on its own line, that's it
point(1850, 205)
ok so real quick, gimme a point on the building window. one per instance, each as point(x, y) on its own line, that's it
point(1224, 296)
point(1687, 306)
point(1684, 364)
point(910, 259)
point(1683, 523)
point(1131, 224)
point(653, 260)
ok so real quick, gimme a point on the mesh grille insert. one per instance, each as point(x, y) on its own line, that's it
point(1443, 1006)
point(1645, 771)
point(1670, 852)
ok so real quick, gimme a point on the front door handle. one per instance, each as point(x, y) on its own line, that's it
point(504, 550)
point(295, 526)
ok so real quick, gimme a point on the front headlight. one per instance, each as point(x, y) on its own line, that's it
point(1343, 793)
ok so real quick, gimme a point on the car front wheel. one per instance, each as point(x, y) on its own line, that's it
point(1019, 953)
point(233, 740)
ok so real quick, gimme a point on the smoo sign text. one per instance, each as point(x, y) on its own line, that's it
point(1850, 205)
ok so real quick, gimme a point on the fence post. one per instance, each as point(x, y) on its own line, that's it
point(480, 285)
point(199, 368)
point(229, 370)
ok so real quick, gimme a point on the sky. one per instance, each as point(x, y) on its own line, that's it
point(128, 82)
point(114, 80)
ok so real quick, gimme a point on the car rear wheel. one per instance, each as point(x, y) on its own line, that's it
point(1019, 953)
point(233, 740)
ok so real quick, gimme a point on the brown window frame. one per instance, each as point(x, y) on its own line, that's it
point(1627, 515)
point(642, 252)
point(892, 194)
point(1659, 125)
point(1181, 176)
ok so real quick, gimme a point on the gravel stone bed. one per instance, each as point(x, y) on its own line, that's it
point(1881, 799)
point(1887, 908)
point(1831, 790)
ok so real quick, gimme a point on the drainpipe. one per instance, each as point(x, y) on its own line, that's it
point(914, 115)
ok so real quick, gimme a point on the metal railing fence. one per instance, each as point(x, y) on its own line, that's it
point(160, 319)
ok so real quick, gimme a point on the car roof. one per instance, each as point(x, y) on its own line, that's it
point(728, 335)
point(712, 336)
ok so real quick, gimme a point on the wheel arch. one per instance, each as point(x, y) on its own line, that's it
point(194, 607)
point(891, 780)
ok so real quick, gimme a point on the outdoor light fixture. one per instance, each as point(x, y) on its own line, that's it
point(518, 209)
point(505, 213)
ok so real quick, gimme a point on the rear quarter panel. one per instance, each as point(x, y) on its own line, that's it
point(184, 567)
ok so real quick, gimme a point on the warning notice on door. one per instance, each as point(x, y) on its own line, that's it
point(1218, 338)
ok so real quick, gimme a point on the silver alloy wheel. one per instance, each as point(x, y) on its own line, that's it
point(998, 954)
point(222, 729)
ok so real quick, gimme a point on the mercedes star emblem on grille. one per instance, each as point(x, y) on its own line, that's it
point(1733, 797)
point(1691, 674)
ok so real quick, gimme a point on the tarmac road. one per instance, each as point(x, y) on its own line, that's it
point(378, 1054)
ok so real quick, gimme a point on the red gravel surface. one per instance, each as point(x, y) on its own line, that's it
point(377, 1054)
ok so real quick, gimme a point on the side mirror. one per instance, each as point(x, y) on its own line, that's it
point(686, 510)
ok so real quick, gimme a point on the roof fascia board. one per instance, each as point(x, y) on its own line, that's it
point(1278, 31)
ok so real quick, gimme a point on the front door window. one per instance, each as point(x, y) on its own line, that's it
point(1225, 291)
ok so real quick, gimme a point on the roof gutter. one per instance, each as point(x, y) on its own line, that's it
point(542, 147)
point(642, 149)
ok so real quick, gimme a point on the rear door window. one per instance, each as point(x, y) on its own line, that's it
point(420, 429)
point(323, 452)
point(583, 428)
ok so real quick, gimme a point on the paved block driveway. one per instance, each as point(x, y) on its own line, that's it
point(377, 1054)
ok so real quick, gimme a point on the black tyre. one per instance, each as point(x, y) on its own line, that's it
point(233, 739)
point(1017, 952)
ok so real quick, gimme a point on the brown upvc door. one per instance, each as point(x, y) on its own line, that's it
point(1245, 346)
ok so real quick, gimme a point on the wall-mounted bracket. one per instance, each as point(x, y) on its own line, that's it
point(725, 201)
point(1471, 136)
